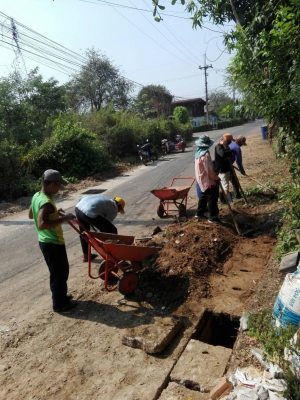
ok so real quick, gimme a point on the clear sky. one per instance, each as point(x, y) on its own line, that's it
point(168, 53)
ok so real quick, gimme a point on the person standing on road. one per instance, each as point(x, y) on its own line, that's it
point(207, 180)
point(98, 211)
point(236, 145)
point(223, 164)
point(51, 241)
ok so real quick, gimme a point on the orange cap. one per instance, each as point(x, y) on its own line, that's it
point(228, 136)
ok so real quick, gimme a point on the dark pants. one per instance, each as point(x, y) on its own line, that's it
point(209, 199)
point(57, 261)
point(99, 222)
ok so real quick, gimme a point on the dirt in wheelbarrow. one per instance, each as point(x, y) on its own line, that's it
point(200, 267)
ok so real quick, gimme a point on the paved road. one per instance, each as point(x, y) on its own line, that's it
point(18, 241)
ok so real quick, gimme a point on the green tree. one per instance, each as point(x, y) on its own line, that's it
point(154, 101)
point(181, 114)
point(26, 103)
point(97, 84)
point(218, 99)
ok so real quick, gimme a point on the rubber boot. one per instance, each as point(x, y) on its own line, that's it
point(222, 198)
point(229, 198)
point(237, 193)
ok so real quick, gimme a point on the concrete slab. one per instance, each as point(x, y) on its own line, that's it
point(177, 392)
point(201, 366)
point(155, 337)
point(289, 262)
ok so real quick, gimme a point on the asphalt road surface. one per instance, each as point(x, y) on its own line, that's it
point(21, 259)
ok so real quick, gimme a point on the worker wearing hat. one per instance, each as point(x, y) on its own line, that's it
point(207, 180)
point(223, 163)
point(237, 158)
point(98, 211)
point(47, 220)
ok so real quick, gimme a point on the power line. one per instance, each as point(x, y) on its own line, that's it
point(170, 30)
point(151, 37)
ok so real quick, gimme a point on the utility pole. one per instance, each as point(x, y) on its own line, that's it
point(233, 94)
point(206, 93)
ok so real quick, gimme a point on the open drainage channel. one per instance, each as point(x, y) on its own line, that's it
point(202, 364)
point(217, 330)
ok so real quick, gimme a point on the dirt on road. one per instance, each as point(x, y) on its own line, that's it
point(201, 268)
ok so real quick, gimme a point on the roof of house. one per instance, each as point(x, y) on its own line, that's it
point(196, 100)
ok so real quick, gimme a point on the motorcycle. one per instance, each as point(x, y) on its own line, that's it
point(167, 145)
point(180, 143)
point(145, 153)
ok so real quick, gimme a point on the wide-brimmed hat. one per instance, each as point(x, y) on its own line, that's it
point(51, 175)
point(204, 141)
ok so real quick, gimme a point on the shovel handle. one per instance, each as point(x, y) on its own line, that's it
point(260, 184)
point(238, 182)
point(231, 212)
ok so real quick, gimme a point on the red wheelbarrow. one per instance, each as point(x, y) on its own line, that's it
point(121, 258)
point(176, 195)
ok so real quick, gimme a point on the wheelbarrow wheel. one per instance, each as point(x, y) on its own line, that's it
point(182, 210)
point(111, 267)
point(160, 211)
point(128, 282)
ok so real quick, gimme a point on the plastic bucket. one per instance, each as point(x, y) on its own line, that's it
point(263, 130)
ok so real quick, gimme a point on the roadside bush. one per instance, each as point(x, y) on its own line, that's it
point(71, 150)
point(13, 173)
point(221, 125)
point(120, 132)
point(274, 340)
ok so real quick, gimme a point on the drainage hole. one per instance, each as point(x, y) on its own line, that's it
point(217, 330)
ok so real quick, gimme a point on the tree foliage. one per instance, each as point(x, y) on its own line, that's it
point(154, 101)
point(70, 149)
point(97, 84)
point(181, 114)
point(25, 105)
point(219, 99)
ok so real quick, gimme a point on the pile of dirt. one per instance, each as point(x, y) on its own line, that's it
point(191, 252)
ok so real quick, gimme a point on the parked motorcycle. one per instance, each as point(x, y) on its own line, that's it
point(167, 145)
point(147, 153)
point(180, 143)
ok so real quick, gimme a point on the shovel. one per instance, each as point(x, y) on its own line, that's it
point(233, 217)
point(238, 182)
point(260, 184)
point(231, 212)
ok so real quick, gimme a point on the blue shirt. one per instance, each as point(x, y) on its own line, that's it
point(97, 204)
point(237, 157)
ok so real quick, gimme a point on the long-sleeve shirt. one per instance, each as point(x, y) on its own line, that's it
point(222, 158)
point(204, 172)
point(237, 157)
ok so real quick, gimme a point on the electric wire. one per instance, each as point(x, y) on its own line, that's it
point(170, 30)
point(151, 38)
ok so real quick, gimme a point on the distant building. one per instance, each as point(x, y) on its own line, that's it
point(195, 107)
